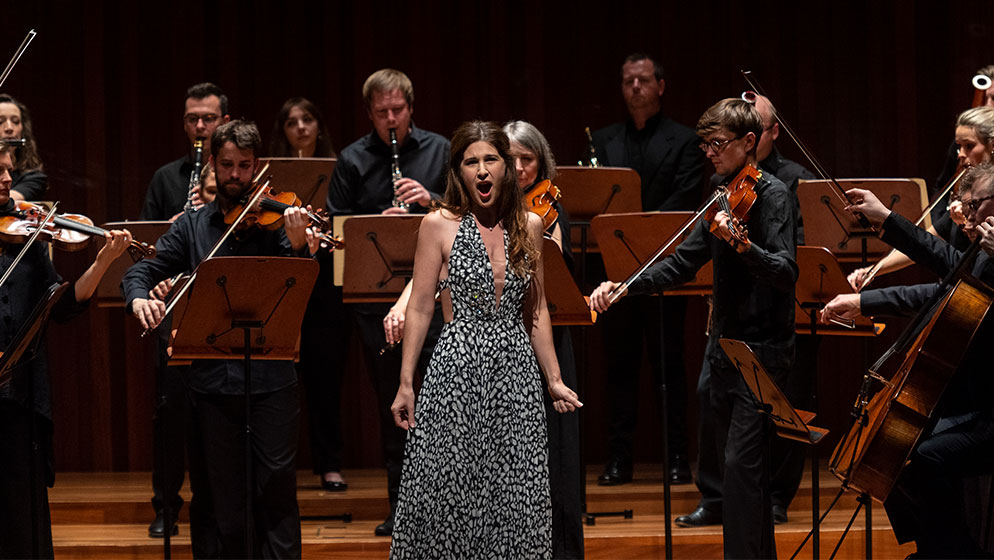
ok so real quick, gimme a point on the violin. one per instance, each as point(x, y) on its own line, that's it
point(736, 199)
point(269, 215)
point(541, 198)
point(67, 232)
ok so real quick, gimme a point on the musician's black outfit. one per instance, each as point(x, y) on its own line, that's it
point(667, 159)
point(26, 470)
point(362, 184)
point(31, 184)
point(217, 388)
point(926, 504)
point(787, 457)
point(166, 196)
point(754, 302)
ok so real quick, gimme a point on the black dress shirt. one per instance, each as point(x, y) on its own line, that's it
point(362, 183)
point(180, 250)
point(753, 291)
point(32, 184)
point(18, 296)
point(168, 190)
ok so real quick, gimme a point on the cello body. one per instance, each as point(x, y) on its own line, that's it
point(875, 450)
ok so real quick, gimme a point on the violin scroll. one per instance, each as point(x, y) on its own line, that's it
point(541, 199)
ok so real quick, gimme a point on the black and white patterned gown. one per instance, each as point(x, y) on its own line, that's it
point(476, 479)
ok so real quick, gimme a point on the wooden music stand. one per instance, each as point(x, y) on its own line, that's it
point(819, 279)
point(590, 191)
point(788, 422)
point(828, 224)
point(567, 306)
point(380, 256)
point(108, 292)
point(627, 240)
point(308, 177)
point(264, 298)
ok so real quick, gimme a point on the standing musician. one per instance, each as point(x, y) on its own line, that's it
point(362, 184)
point(217, 386)
point(754, 277)
point(25, 405)
point(926, 502)
point(787, 457)
point(205, 107)
point(30, 181)
point(672, 172)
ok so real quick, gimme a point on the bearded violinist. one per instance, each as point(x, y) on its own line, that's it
point(753, 301)
point(25, 406)
point(926, 504)
point(217, 386)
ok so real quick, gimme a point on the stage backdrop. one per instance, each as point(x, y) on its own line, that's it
point(873, 88)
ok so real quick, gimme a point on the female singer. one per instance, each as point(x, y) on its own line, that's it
point(300, 131)
point(475, 480)
point(975, 142)
point(30, 182)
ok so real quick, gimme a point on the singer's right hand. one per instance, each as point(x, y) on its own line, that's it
point(148, 311)
point(600, 299)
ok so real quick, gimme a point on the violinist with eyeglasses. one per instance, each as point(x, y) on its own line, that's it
point(753, 253)
point(926, 503)
point(217, 386)
point(25, 405)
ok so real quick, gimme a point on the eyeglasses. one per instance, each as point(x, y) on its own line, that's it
point(973, 205)
point(716, 145)
point(192, 119)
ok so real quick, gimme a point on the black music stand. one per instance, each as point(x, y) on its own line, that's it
point(263, 298)
point(787, 421)
point(307, 177)
point(828, 224)
point(379, 258)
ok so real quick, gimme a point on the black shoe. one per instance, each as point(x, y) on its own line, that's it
point(385, 529)
point(156, 529)
point(615, 472)
point(698, 518)
point(779, 514)
point(680, 470)
point(334, 485)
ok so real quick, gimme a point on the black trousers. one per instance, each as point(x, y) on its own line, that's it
point(324, 339)
point(384, 372)
point(25, 474)
point(787, 457)
point(742, 438)
point(926, 504)
point(564, 460)
point(276, 517)
point(171, 424)
point(633, 324)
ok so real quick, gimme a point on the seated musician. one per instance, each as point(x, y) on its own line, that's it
point(754, 280)
point(218, 386)
point(926, 503)
point(25, 403)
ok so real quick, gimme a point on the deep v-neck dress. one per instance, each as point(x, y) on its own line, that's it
point(476, 481)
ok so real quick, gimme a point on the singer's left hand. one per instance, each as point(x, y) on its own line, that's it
point(411, 191)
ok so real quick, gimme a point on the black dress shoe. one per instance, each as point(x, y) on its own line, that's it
point(779, 514)
point(156, 529)
point(698, 518)
point(334, 485)
point(615, 472)
point(680, 470)
point(385, 529)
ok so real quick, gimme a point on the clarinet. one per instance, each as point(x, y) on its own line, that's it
point(198, 159)
point(590, 148)
point(395, 174)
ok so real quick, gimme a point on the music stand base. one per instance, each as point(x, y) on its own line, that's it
point(590, 519)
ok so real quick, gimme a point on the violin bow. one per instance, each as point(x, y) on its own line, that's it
point(818, 167)
point(17, 56)
point(48, 219)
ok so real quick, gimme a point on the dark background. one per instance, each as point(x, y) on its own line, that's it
point(873, 89)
